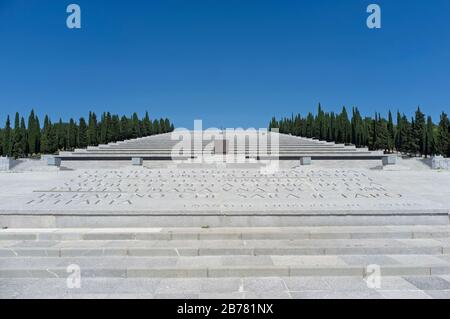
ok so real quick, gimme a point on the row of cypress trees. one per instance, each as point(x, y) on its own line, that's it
point(21, 140)
point(415, 136)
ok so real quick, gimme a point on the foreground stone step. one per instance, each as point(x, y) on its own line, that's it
point(238, 233)
point(223, 266)
point(224, 247)
point(421, 287)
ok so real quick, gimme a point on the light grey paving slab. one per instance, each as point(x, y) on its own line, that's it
point(130, 296)
point(29, 263)
point(418, 260)
point(46, 287)
point(94, 252)
point(13, 288)
point(118, 285)
point(403, 294)
point(167, 273)
point(445, 277)
point(346, 283)
point(33, 244)
point(326, 271)
point(306, 283)
point(429, 282)
point(182, 285)
point(395, 283)
point(438, 294)
point(368, 260)
point(81, 296)
point(246, 261)
point(220, 285)
point(327, 294)
point(29, 252)
point(204, 261)
point(222, 296)
point(8, 243)
point(225, 251)
point(187, 296)
point(268, 295)
point(267, 285)
point(307, 260)
point(254, 271)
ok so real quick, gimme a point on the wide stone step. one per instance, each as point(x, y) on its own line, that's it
point(344, 232)
point(223, 266)
point(423, 287)
point(140, 249)
point(233, 233)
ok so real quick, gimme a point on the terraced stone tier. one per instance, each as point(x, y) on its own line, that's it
point(161, 146)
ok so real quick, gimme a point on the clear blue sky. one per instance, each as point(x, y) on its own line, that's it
point(229, 62)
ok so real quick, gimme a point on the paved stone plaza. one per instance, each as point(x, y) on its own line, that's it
point(225, 230)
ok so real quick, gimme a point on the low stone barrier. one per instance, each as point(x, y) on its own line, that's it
point(440, 162)
point(6, 163)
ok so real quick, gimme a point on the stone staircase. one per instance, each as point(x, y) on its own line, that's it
point(228, 252)
point(161, 146)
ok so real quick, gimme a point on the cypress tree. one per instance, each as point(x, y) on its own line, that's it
point(82, 134)
point(72, 134)
point(419, 132)
point(61, 135)
point(430, 141)
point(7, 138)
point(125, 129)
point(162, 126)
point(167, 125)
point(92, 129)
point(443, 136)
point(1, 142)
point(310, 126)
point(17, 144)
point(391, 132)
point(48, 140)
point(136, 131)
point(115, 128)
point(23, 129)
point(32, 134)
point(156, 127)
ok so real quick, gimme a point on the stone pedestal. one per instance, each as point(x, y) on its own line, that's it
point(389, 160)
point(305, 160)
point(53, 161)
point(6, 163)
point(137, 161)
point(440, 162)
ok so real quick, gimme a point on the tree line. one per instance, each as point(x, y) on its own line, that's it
point(21, 140)
point(415, 136)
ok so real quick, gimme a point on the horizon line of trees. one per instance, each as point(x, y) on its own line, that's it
point(20, 140)
point(415, 136)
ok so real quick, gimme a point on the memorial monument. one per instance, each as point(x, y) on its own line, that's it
point(149, 216)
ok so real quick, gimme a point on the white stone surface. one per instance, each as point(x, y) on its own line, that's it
point(317, 194)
